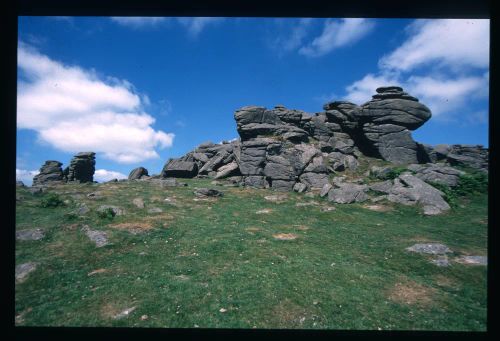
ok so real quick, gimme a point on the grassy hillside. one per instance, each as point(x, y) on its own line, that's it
point(220, 263)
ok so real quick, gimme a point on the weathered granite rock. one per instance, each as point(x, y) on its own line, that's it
point(256, 181)
point(82, 167)
point(208, 192)
point(300, 187)
point(137, 173)
point(227, 170)
point(437, 173)
point(35, 234)
point(23, 270)
point(115, 209)
point(314, 180)
point(49, 172)
point(347, 193)
point(179, 169)
point(100, 238)
point(430, 248)
point(324, 191)
point(408, 190)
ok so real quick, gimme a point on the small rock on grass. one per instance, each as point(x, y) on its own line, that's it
point(23, 270)
point(208, 192)
point(441, 261)
point(35, 234)
point(124, 313)
point(430, 248)
point(100, 238)
point(472, 260)
point(155, 210)
point(138, 202)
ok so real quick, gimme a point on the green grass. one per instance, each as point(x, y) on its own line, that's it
point(347, 268)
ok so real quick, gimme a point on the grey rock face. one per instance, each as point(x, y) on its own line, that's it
point(314, 180)
point(282, 185)
point(179, 169)
point(20, 184)
point(256, 181)
point(300, 187)
point(347, 193)
point(430, 248)
point(82, 167)
point(35, 234)
point(409, 190)
point(437, 173)
point(324, 191)
point(227, 170)
point(137, 173)
point(138, 202)
point(472, 260)
point(49, 172)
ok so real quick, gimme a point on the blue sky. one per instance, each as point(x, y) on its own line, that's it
point(138, 91)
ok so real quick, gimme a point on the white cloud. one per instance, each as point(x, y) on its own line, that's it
point(445, 95)
point(137, 22)
point(193, 25)
point(196, 25)
point(458, 48)
point(294, 39)
point(73, 110)
point(103, 175)
point(26, 176)
point(451, 42)
point(361, 91)
point(337, 34)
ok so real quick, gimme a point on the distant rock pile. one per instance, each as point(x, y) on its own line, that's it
point(49, 172)
point(138, 173)
point(81, 168)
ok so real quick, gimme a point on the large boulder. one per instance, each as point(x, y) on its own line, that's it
point(49, 172)
point(179, 169)
point(347, 192)
point(82, 167)
point(137, 173)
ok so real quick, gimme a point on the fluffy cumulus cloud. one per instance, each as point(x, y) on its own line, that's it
point(102, 175)
point(194, 25)
point(337, 34)
point(447, 42)
point(26, 176)
point(73, 110)
point(456, 54)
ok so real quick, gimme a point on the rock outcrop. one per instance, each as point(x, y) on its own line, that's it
point(81, 167)
point(50, 171)
point(287, 149)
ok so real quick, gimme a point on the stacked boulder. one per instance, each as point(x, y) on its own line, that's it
point(81, 168)
point(50, 171)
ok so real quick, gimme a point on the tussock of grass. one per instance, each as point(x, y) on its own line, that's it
point(346, 268)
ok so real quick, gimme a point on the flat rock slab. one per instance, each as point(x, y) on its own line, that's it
point(378, 208)
point(100, 238)
point(285, 236)
point(328, 208)
point(264, 211)
point(430, 248)
point(472, 260)
point(441, 261)
point(278, 198)
point(22, 271)
point(35, 234)
point(155, 210)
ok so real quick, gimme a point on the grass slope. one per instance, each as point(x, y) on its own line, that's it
point(346, 269)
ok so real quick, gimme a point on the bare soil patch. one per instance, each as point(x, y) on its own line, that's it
point(134, 227)
point(412, 293)
point(285, 236)
point(378, 208)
